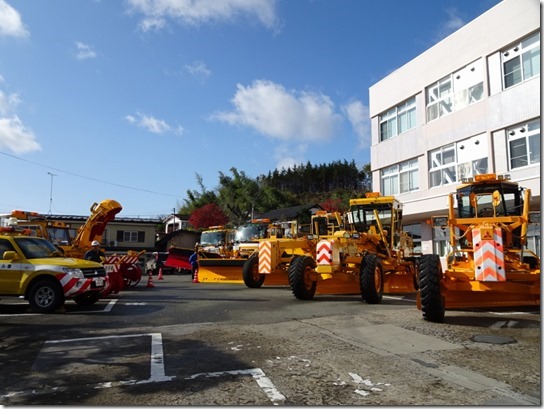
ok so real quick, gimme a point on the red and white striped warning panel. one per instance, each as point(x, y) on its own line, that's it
point(488, 254)
point(324, 252)
point(265, 257)
point(124, 259)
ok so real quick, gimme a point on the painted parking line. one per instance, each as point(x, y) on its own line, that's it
point(157, 371)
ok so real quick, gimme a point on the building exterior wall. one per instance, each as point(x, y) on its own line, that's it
point(477, 131)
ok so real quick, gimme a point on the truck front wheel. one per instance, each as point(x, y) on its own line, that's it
point(46, 296)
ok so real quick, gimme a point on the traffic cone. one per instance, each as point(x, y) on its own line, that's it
point(150, 281)
point(160, 274)
point(195, 278)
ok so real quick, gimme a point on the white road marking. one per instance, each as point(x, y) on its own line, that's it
point(262, 380)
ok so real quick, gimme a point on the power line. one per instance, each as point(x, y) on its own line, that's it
point(89, 178)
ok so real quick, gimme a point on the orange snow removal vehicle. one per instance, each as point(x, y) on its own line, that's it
point(488, 265)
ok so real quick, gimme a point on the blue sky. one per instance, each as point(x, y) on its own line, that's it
point(131, 99)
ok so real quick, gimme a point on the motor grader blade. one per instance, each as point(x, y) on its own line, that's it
point(393, 284)
point(474, 294)
point(397, 283)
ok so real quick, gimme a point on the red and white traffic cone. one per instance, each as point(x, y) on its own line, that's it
point(195, 278)
point(150, 280)
point(160, 274)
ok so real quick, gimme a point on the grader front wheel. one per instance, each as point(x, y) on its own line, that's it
point(250, 273)
point(432, 302)
point(371, 279)
point(300, 279)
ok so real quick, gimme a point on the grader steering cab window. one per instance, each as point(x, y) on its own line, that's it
point(491, 201)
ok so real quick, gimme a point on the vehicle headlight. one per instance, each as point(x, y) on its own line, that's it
point(75, 272)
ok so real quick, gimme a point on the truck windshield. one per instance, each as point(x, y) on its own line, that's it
point(250, 232)
point(33, 247)
point(212, 238)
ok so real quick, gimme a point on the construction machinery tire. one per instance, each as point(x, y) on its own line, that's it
point(250, 273)
point(46, 295)
point(87, 299)
point(300, 280)
point(371, 279)
point(430, 276)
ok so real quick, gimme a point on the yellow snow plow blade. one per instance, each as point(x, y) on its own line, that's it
point(218, 270)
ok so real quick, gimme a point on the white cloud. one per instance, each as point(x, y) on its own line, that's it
point(153, 125)
point(11, 24)
point(16, 137)
point(195, 12)
point(8, 103)
point(273, 111)
point(84, 51)
point(452, 24)
point(359, 118)
point(288, 156)
point(198, 69)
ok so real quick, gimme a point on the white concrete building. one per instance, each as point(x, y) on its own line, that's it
point(468, 105)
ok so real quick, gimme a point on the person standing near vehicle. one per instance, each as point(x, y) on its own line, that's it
point(193, 259)
point(94, 254)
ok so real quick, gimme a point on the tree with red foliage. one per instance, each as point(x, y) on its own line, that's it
point(206, 216)
point(332, 205)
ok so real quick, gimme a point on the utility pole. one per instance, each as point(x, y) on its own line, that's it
point(51, 192)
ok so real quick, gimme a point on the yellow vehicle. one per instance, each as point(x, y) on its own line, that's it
point(488, 265)
point(33, 268)
point(275, 254)
point(371, 256)
point(124, 270)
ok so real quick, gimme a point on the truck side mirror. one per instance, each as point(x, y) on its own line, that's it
point(10, 255)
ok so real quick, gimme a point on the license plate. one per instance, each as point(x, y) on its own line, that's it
point(99, 282)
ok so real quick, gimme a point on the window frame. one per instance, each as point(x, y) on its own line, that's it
point(392, 175)
point(526, 132)
point(519, 52)
point(391, 120)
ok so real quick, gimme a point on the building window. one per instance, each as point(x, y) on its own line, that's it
point(130, 236)
point(414, 230)
point(524, 144)
point(441, 241)
point(522, 61)
point(399, 119)
point(400, 178)
point(451, 163)
point(456, 91)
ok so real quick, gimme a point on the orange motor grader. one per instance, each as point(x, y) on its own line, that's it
point(488, 265)
point(371, 256)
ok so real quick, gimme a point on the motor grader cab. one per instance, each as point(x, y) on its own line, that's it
point(488, 265)
point(372, 255)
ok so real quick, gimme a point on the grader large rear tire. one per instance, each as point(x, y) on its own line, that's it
point(371, 279)
point(300, 280)
point(430, 275)
point(250, 273)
